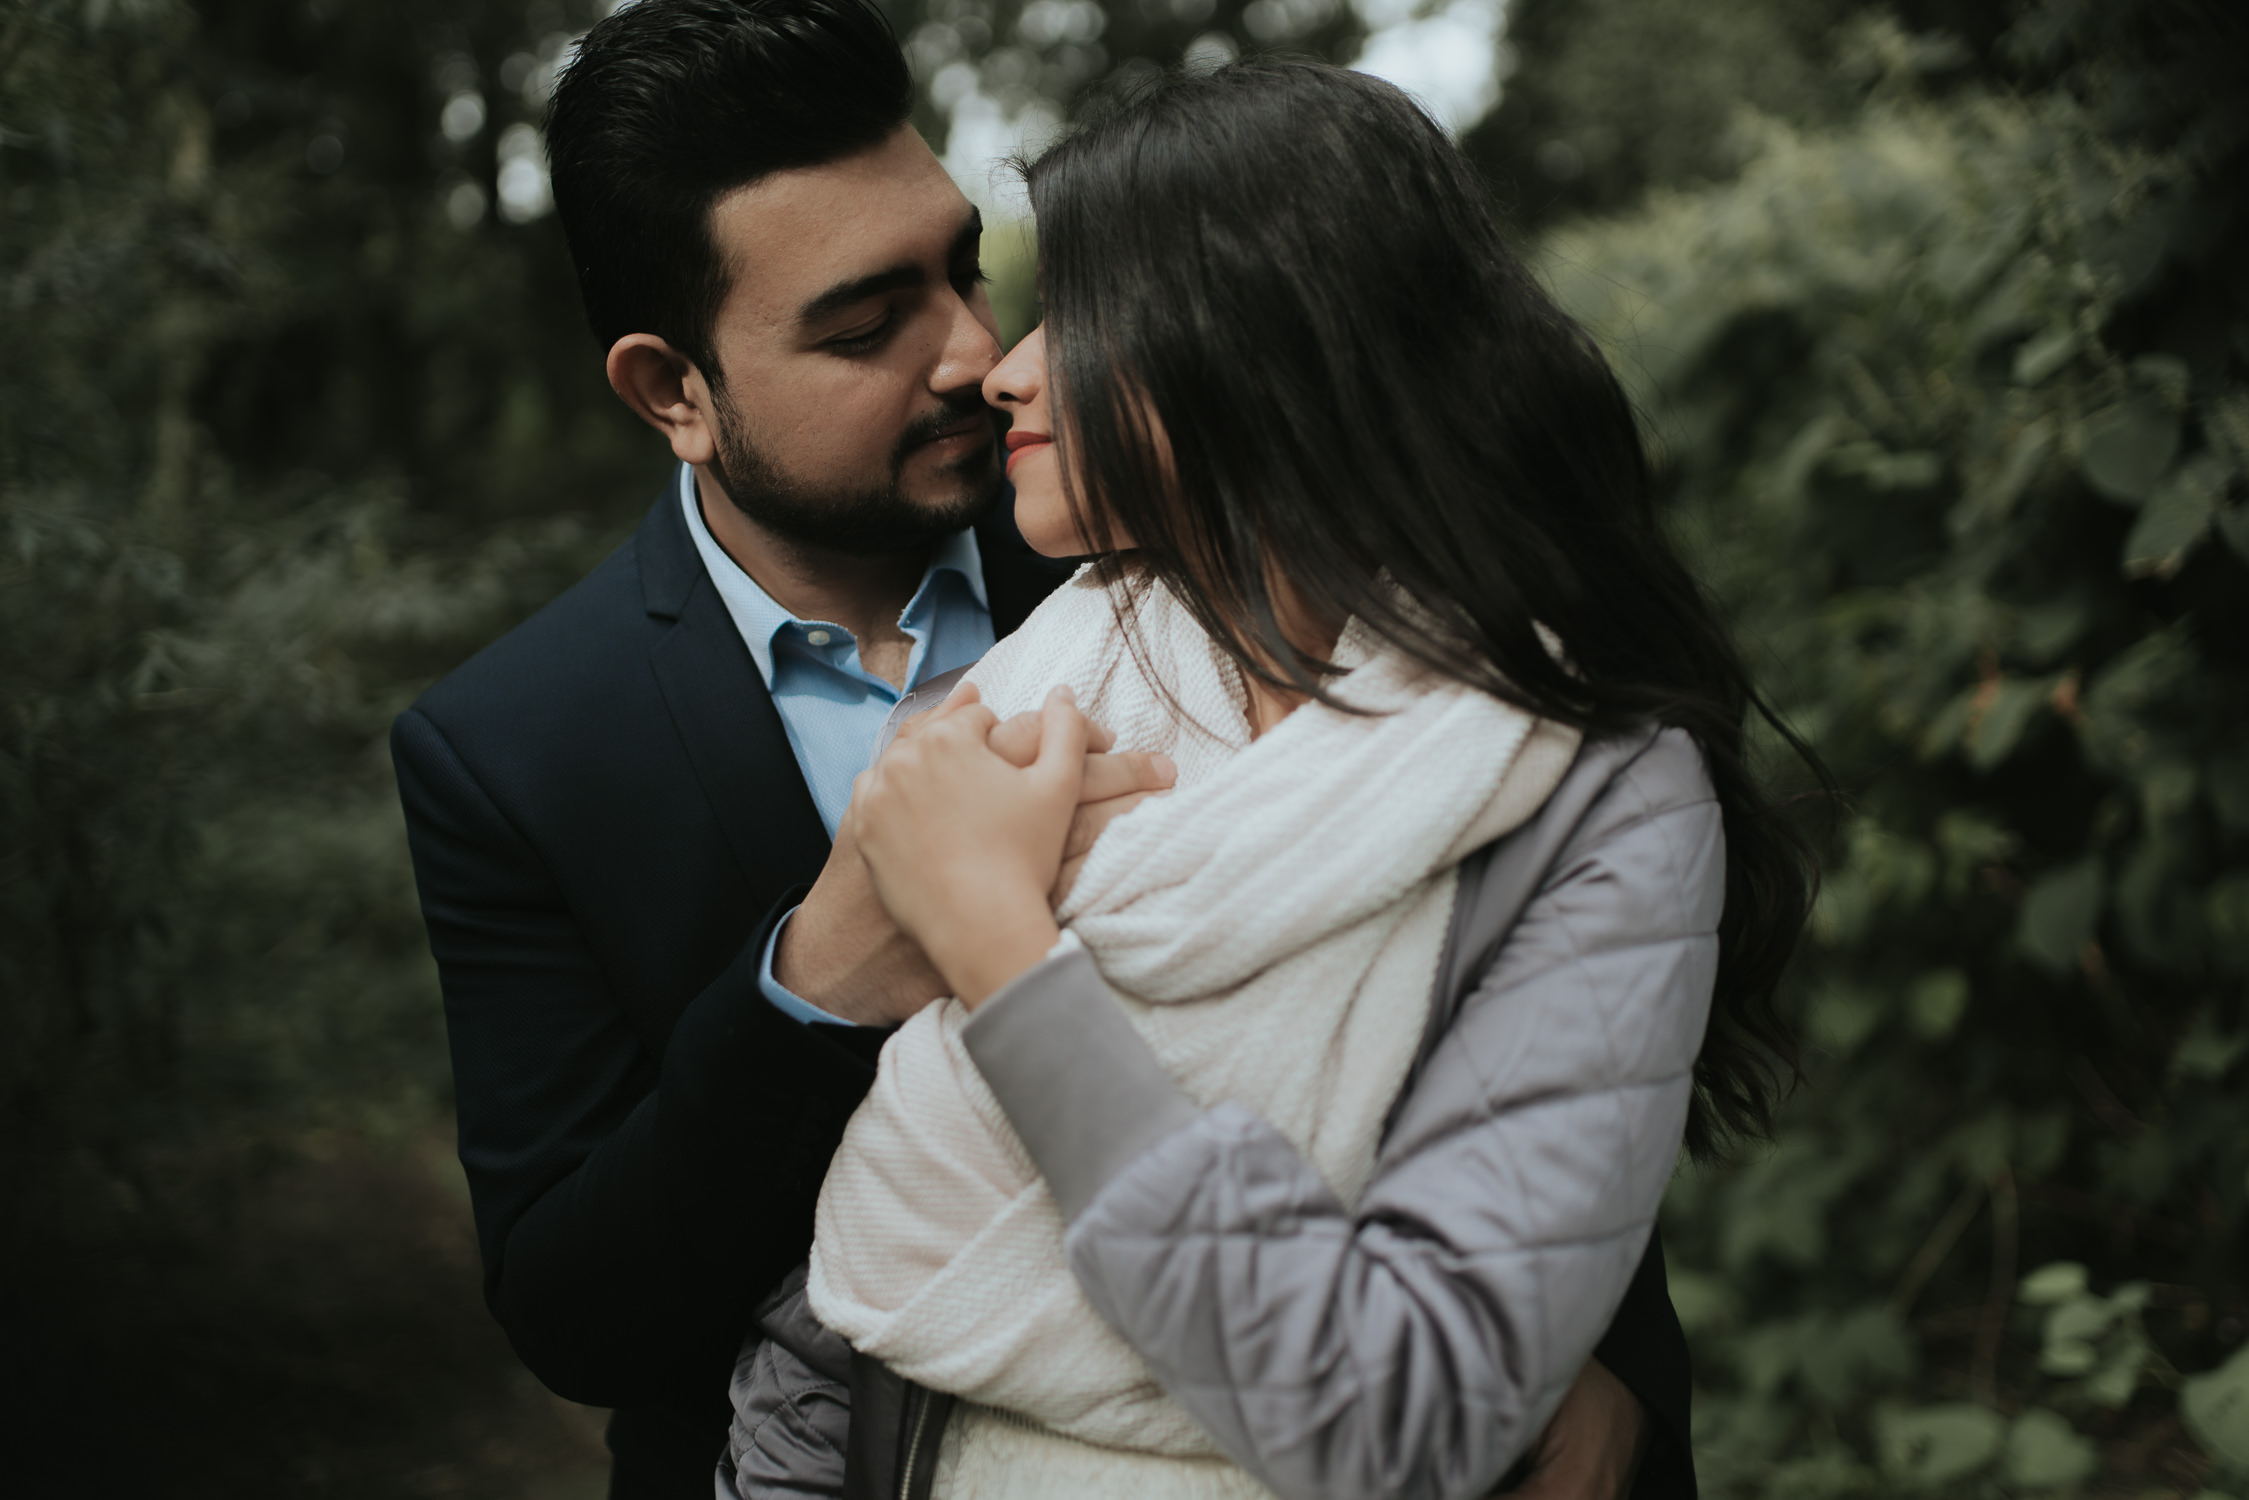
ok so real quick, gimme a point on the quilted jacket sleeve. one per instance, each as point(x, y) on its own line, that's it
point(1415, 1343)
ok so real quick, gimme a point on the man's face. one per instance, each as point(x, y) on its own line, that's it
point(854, 342)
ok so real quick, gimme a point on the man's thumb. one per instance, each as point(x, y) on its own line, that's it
point(1062, 738)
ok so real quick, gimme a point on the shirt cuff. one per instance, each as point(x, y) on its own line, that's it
point(789, 1004)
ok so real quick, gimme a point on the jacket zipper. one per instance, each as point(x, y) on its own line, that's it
point(922, 1403)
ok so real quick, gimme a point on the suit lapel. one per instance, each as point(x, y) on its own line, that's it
point(725, 715)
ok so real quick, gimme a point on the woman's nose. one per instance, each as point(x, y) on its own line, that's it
point(1019, 380)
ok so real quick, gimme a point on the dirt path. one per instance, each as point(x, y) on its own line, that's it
point(292, 1320)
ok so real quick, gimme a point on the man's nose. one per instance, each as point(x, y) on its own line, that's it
point(969, 354)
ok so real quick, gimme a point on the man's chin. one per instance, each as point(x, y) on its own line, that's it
point(912, 524)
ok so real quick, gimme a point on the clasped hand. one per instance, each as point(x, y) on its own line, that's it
point(965, 826)
point(850, 952)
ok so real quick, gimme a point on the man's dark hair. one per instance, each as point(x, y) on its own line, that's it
point(672, 104)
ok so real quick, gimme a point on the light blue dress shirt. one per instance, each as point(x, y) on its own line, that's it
point(831, 706)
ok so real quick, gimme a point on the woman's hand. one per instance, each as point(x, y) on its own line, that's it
point(1114, 785)
point(964, 848)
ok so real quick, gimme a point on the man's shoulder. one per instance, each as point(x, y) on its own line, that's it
point(571, 651)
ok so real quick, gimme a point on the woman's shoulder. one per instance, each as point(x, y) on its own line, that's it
point(1617, 780)
point(1622, 778)
point(1635, 821)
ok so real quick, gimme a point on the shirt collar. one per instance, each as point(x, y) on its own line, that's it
point(759, 617)
point(959, 553)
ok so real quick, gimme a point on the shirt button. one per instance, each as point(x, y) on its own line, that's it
point(818, 637)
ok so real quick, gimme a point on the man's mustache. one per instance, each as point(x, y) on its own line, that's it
point(946, 419)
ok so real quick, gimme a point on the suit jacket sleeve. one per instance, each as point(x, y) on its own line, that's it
point(1417, 1343)
point(632, 1203)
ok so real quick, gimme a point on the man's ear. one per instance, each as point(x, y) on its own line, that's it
point(666, 391)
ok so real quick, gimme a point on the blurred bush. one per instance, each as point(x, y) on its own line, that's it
point(285, 432)
point(1950, 395)
point(1939, 318)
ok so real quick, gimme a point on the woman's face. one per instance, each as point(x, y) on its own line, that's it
point(1018, 386)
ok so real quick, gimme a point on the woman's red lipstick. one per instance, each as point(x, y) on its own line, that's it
point(1020, 443)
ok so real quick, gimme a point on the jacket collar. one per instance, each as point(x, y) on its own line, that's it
point(669, 566)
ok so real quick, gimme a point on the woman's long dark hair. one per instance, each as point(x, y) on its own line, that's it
point(1292, 271)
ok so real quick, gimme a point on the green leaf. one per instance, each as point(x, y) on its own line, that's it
point(2042, 1452)
point(2176, 516)
point(2233, 524)
point(2059, 914)
point(2168, 372)
point(2119, 1375)
point(2128, 446)
point(2205, 1052)
point(2215, 1407)
point(2026, 455)
point(1843, 1016)
point(2044, 631)
point(1701, 1300)
point(2057, 1282)
point(2005, 716)
point(2042, 355)
point(1938, 1444)
point(2072, 1331)
point(1934, 1005)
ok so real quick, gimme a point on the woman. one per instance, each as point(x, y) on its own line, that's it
point(1321, 1172)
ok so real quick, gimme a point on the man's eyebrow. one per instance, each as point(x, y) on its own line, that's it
point(895, 279)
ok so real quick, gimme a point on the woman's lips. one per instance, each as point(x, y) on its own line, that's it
point(1022, 444)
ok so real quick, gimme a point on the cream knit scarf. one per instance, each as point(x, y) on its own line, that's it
point(1273, 928)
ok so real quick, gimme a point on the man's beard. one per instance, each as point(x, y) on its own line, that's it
point(866, 522)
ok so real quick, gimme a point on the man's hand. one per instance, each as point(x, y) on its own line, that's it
point(1593, 1447)
point(843, 953)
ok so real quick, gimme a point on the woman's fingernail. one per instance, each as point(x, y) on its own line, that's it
point(1164, 766)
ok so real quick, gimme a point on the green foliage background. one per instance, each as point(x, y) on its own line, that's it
point(1940, 318)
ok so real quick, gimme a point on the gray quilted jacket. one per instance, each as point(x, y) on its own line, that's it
point(1415, 1345)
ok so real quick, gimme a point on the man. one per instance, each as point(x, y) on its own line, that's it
point(664, 989)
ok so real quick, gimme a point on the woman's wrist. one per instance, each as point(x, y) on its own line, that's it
point(981, 958)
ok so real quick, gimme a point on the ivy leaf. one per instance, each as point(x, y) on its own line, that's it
point(2059, 913)
point(2215, 1407)
point(2176, 516)
point(2119, 1375)
point(2061, 1281)
point(1938, 1444)
point(2042, 1452)
point(2045, 353)
point(2205, 1051)
point(1935, 1003)
point(2128, 447)
point(2008, 713)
